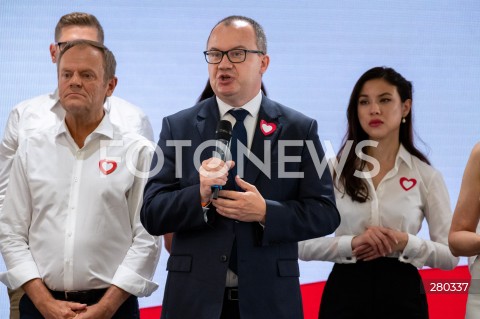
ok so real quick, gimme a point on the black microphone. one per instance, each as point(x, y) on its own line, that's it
point(223, 134)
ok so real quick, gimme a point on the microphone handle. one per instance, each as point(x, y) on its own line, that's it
point(216, 189)
point(221, 148)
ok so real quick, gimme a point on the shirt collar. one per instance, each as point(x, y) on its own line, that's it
point(252, 106)
point(403, 155)
point(55, 95)
point(105, 128)
point(57, 107)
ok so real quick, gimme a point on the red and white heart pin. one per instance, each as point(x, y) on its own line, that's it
point(267, 128)
point(408, 183)
point(107, 166)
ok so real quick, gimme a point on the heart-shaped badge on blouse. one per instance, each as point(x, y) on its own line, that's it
point(407, 184)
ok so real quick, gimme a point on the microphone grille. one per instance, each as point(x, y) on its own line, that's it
point(224, 130)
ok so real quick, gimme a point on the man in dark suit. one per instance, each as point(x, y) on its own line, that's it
point(236, 256)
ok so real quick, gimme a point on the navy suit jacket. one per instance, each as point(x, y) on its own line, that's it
point(297, 209)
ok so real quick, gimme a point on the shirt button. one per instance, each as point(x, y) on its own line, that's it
point(223, 258)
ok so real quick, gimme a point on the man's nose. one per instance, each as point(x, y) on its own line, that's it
point(75, 80)
point(225, 62)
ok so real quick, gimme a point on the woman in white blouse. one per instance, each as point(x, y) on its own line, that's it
point(464, 239)
point(384, 190)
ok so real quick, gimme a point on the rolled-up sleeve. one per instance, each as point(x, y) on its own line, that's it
point(15, 220)
point(135, 273)
point(8, 148)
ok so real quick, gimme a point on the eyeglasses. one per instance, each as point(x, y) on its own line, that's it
point(234, 55)
point(61, 45)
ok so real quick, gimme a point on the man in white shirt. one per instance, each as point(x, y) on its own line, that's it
point(70, 231)
point(43, 111)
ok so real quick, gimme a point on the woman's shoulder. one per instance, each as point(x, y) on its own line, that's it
point(425, 171)
point(475, 154)
point(473, 165)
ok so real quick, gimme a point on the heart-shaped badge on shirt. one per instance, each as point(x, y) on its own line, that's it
point(408, 184)
point(107, 166)
point(267, 128)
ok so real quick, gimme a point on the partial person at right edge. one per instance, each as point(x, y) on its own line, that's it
point(464, 238)
point(384, 191)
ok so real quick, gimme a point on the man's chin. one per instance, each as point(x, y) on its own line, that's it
point(72, 106)
point(225, 94)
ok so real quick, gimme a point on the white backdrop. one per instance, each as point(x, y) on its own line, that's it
point(318, 50)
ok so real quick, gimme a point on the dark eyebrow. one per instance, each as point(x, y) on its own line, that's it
point(383, 94)
point(386, 93)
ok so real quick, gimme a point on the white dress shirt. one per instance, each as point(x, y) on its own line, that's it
point(410, 192)
point(44, 111)
point(252, 106)
point(73, 220)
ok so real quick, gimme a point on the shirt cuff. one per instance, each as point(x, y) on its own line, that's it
point(411, 250)
point(205, 214)
point(345, 250)
point(16, 277)
point(133, 283)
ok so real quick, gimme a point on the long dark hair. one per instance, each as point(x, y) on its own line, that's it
point(353, 186)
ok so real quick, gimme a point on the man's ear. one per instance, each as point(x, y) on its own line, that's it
point(53, 52)
point(264, 64)
point(112, 83)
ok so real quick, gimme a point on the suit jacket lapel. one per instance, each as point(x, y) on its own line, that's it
point(207, 120)
point(270, 114)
